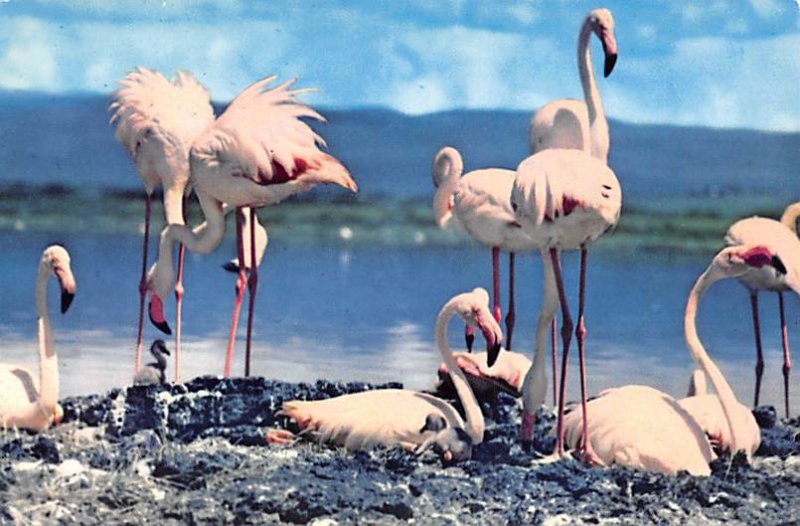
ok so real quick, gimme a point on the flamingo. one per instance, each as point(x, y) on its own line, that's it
point(153, 373)
point(644, 428)
point(781, 238)
point(568, 123)
point(257, 153)
point(401, 417)
point(27, 402)
point(707, 411)
point(478, 202)
point(157, 120)
point(506, 374)
point(564, 200)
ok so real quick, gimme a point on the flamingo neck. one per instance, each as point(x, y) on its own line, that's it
point(447, 170)
point(200, 240)
point(790, 215)
point(48, 361)
point(173, 204)
point(474, 417)
point(598, 126)
point(534, 387)
point(726, 396)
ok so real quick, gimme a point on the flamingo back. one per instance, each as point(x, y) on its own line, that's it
point(562, 124)
point(641, 427)
point(19, 394)
point(262, 139)
point(706, 410)
point(363, 421)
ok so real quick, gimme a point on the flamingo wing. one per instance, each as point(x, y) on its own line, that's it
point(706, 410)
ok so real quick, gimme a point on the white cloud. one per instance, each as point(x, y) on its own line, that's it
point(27, 58)
point(766, 8)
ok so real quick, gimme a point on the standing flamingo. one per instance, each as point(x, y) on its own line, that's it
point(402, 417)
point(478, 202)
point(781, 238)
point(157, 120)
point(641, 427)
point(568, 123)
point(564, 200)
point(25, 401)
point(257, 153)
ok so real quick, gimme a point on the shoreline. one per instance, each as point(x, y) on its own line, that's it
point(195, 453)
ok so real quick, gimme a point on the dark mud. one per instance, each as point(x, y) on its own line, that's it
point(195, 454)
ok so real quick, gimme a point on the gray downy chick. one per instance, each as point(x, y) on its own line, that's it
point(153, 372)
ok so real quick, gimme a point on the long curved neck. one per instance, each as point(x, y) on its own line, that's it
point(48, 361)
point(726, 396)
point(446, 172)
point(790, 215)
point(200, 240)
point(598, 126)
point(173, 204)
point(534, 388)
point(474, 423)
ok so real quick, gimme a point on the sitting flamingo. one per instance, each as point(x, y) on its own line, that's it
point(25, 401)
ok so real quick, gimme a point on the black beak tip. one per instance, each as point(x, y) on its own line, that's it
point(66, 301)
point(611, 60)
point(230, 266)
point(492, 353)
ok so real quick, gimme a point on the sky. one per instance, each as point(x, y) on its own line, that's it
point(716, 63)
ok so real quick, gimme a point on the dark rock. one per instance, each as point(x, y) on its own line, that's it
point(766, 416)
point(401, 510)
point(45, 449)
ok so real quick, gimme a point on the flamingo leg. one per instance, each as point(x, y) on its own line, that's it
point(496, 283)
point(252, 284)
point(580, 336)
point(179, 299)
point(553, 339)
point(759, 349)
point(566, 337)
point(143, 281)
point(787, 362)
point(240, 286)
point(511, 317)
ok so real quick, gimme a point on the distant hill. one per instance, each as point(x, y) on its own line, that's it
point(68, 140)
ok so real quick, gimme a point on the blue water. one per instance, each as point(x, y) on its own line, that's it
point(366, 313)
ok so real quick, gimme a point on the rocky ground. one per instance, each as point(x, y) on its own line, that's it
point(195, 454)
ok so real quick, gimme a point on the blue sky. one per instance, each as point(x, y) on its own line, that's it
point(720, 63)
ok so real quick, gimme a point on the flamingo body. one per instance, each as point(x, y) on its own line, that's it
point(506, 374)
point(707, 411)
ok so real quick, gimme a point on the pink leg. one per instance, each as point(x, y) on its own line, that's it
point(787, 362)
point(759, 351)
point(496, 283)
point(143, 282)
point(566, 337)
point(179, 300)
point(252, 284)
point(511, 317)
point(580, 337)
point(553, 340)
point(240, 285)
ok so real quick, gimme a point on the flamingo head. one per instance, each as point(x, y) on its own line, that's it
point(453, 445)
point(58, 415)
point(473, 307)
point(734, 261)
point(601, 23)
point(56, 260)
point(158, 284)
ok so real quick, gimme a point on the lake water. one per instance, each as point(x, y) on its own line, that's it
point(367, 313)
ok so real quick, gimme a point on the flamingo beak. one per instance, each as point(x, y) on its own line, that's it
point(492, 334)
point(67, 284)
point(156, 311)
point(609, 50)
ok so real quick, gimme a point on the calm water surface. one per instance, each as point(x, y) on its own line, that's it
point(367, 313)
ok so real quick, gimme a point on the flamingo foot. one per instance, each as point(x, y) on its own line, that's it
point(156, 311)
point(279, 437)
point(589, 457)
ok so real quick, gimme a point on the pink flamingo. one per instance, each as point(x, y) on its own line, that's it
point(781, 238)
point(29, 402)
point(478, 202)
point(400, 417)
point(641, 427)
point(257, 153)
point(157, 120)
point(564, 200)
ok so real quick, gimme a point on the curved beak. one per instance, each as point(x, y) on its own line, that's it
point(67, 283)
point(493, 335)
point(156, 312)
point(609, 50)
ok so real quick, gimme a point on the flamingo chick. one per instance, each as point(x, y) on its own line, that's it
point(644, 428)
point(157, 120)
point(478, 202)
point(28, 401)
point(257, 153)
point(564, 200)
point(400, 417)
point(573, 124)
point(781, 239)
point(153, 372)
